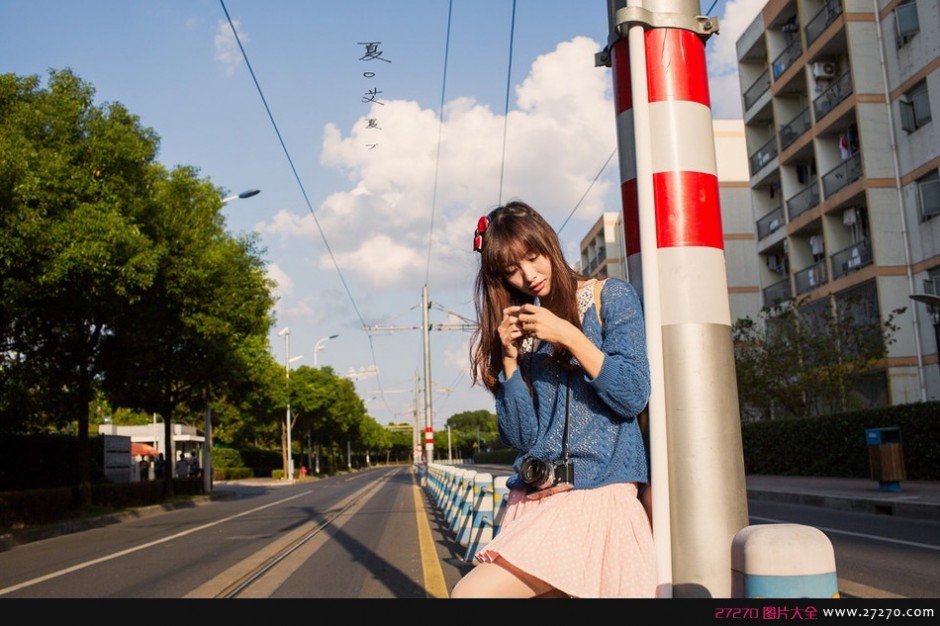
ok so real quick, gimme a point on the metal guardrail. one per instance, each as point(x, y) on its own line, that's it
point(472, 503)
point(811, 277)
point(758, 88)
point(764, 155)
point(840, 89)
point(770, 222)
point(853, 258)
point(818, 23)
point(786, 58)
point(804, 200)
point(845, 173)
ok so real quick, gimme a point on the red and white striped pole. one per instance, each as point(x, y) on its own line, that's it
point(672, 222)
point(429, 444)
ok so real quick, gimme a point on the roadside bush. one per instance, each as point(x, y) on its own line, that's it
point(835, 445)
point(226, 458)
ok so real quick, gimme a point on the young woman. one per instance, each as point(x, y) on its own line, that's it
point(569, 381)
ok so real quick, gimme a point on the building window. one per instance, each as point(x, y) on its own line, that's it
point(905, 18)
point(928, 192)
point(915, 107)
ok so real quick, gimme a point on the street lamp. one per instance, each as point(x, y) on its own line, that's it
point(285, 332)
point(319, 346)
point(207, 444)
point(245, 194)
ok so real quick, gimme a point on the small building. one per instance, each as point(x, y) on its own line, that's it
point(184, 439)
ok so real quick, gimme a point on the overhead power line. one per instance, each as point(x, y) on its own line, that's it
point(300, 184)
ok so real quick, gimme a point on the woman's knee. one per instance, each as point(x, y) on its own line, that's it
point(488, 580)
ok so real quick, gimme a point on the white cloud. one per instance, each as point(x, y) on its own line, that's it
point(226, 47)
point(559, 134)
point(557, 138)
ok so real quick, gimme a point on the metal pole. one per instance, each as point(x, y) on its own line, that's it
point(207, 452)
point(289, 469)
point(672, 223)
point(428, 419)
point(416, 436)
point(936, 331)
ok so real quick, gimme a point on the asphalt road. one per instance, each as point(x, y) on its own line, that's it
point(372, 535)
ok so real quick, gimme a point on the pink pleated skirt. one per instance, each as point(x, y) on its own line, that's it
point(587, 543)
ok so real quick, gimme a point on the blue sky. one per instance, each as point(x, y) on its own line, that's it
point(357, 219)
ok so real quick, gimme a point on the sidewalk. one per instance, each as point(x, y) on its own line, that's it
point(919, 499)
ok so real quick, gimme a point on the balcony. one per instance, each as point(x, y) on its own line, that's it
point(794, 129)
point(811, 277)
point(851, 259)
point(770, 223)
point(843, 174)
point(766, 154)
point(776, 293)
point(839, 90)
point(818, 24)
point(786, 58)
point(756, 90)
point(803, 201)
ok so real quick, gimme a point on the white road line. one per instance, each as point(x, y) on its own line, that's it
point(835, 531)
point(117, 555)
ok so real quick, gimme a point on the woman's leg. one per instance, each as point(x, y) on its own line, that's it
point(501, 579)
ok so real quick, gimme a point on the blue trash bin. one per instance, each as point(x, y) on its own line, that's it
point(886, 457)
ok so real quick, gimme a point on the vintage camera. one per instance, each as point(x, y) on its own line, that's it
point(539, 474)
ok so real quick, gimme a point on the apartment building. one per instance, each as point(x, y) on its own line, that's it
point(838, 100)
point(603, 251)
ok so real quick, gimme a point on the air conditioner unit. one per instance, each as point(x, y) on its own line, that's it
point(824, 70)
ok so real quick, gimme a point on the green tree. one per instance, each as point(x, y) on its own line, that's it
point(115, 273)
point(72, 177)
point(326, 406)
point(372, 438)
point(804, 359)
point(252, 415)
point(470, 431)
point(195, 333)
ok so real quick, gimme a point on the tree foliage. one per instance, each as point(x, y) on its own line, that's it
point(470, 431)
point(116, 273)
point(799, 359)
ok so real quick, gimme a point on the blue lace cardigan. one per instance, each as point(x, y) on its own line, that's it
point(604, 438)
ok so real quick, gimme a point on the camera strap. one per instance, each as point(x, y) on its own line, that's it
point(564, 443)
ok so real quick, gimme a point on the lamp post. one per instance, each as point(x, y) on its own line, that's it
point(207, 444)
point(319, 346)
point(285, 332)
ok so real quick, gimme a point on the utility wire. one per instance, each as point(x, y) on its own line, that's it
point(440, 126)
point(601, 171)
point(502, 164)
point(300, 184)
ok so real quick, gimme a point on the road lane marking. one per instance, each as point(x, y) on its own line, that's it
point(117, 555)
point(434, 584)
point(836, 531)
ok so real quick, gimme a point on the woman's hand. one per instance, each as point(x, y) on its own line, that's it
point(510, 333)
point(541, 323)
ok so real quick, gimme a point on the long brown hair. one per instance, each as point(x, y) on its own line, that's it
point(514, 231)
